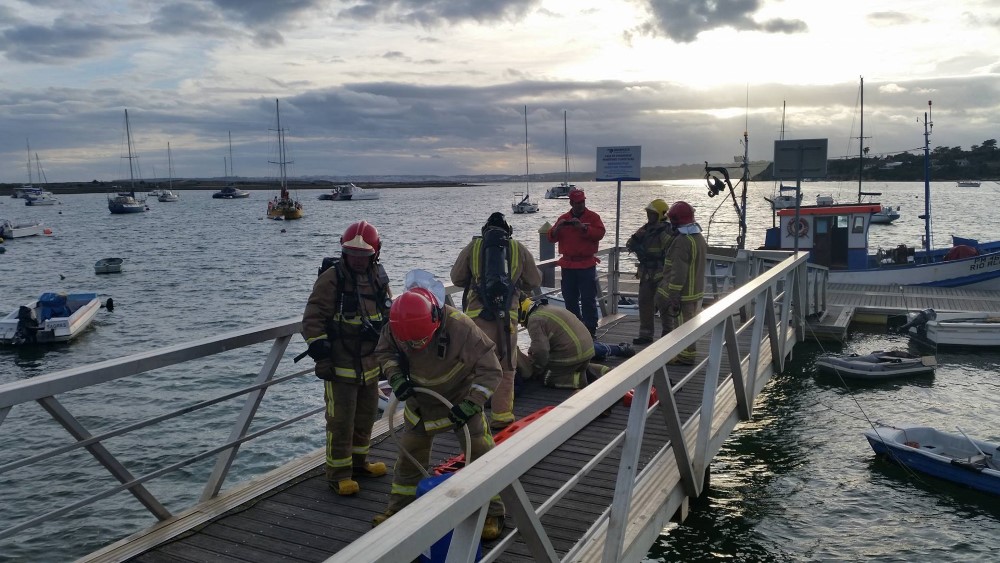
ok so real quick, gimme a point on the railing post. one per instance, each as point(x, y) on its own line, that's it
point(546, 251)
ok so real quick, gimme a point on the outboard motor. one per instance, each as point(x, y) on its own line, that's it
point(919, 320)
point(27, 326)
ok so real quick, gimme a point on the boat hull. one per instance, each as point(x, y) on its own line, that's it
point(83, 306)
point(108, 266)
point(959, 329)
point(876, 366)
point(976, 272)
point(11, 229)
point(939, 454)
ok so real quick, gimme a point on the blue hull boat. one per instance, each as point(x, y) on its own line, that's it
point(953, 457)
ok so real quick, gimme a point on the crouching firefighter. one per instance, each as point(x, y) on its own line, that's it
point(438, 348)
point(493, 268)
point(348, 306)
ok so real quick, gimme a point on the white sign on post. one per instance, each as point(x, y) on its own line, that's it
point(618, 163)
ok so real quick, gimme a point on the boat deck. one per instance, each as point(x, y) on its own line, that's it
point(305, 521)
point(875, 304)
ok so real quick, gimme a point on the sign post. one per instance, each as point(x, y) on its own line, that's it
point(617, 164)
point(798, 159)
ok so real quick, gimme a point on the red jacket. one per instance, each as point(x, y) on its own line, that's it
point(578, 245)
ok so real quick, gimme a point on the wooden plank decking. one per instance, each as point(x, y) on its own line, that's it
point(304, 520)
point(875, 304)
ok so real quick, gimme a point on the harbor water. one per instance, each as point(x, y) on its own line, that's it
point(797, 482)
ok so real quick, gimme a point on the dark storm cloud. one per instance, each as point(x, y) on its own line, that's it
point(437, 12)
point(65, 40)
point(266, 12)
point(683, 20)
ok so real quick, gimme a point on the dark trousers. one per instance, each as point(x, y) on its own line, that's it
point(579, 289)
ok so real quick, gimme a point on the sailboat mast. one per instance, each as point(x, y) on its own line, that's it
point(28, 145)
point(527, 177)
point(281, 152)
point(40, 173)
point(928, 126)
point(170, 168)
point(128, 140)
point(231, 171)
point(565, 150)
point(861, 139)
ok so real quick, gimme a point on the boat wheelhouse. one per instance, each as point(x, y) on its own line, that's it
point(836, 236)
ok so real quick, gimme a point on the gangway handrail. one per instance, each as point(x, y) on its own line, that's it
point(459, 503)
point(767, 296)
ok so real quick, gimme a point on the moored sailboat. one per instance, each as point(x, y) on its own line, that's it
point(283, 206)
point(123, 202)
point(525, 205)
point(564, 187)
point(886, 214)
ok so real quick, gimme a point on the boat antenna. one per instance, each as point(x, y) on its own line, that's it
point(928, 127)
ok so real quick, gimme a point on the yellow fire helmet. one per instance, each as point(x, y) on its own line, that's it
point(525, 308)
point(658, 206)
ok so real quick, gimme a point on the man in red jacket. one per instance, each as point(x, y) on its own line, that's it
point(578, 232)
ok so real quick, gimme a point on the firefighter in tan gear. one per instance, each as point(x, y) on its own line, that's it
point(683, 285)
point(561, 347)
point(437, 348)
point(493, 268)
point(343, 318)
point(649, 244)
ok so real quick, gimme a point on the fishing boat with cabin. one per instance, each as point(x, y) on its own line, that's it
point(836, 237)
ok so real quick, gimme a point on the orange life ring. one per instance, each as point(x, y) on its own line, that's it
point(802, 230)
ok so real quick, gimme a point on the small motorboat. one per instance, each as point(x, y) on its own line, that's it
point(954, 457)
point(53, 317)
point(877, 365)
point(231, 192)
point(954, 328)
point(20, 229)
point(108, 266)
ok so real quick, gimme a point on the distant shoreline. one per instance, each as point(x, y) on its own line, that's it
point(191, 185)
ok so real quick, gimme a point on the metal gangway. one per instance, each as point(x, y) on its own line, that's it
point(750, 331)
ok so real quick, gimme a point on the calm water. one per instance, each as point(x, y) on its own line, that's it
point(797, 483)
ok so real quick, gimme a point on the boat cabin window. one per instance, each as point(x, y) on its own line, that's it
point(859, 225)
point(841, 221)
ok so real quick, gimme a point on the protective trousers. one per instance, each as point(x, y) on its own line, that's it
point(648, 305)
point(350, 413)
point(502, 401)
point(688, 310)
point(417, 441)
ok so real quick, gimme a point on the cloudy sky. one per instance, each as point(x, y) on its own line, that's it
point(439, 86)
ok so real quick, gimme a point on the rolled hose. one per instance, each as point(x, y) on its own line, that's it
point(390, 410)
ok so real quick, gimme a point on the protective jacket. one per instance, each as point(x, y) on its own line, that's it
point(650, 245)
point(578, 247)
point(558, 338)
point(468, 271)
point(684, 266)
point(348, 309)
point(458, 363)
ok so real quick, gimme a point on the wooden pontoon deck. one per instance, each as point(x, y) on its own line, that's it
point(306, 521)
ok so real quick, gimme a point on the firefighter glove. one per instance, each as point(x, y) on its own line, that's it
point(462, 412)
point(320, 349)
point(402, 387)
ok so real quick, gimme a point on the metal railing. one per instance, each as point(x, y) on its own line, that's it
point(643, 501)
point(777, 297)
